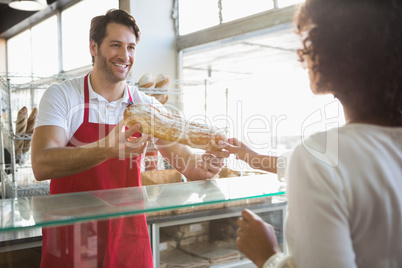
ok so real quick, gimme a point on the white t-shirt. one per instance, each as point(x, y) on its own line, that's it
point(63, 105)
point(345, 200)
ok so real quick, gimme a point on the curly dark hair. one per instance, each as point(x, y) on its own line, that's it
point(99, 24)
point(356, 50)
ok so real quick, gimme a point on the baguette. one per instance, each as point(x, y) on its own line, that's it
point(172, 128)
point(30, 128)
point(20, 129)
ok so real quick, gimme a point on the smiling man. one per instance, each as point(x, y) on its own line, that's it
point(78, 144)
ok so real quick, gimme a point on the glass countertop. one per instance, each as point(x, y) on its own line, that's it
point(64, 209)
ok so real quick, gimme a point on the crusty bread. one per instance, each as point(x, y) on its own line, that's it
point(20, 129)
point(146, 81)
point(30, 128)
point(162, 81)
point(172, 128)
point(162, 98)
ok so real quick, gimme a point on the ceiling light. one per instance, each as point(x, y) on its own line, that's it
point(28, 5)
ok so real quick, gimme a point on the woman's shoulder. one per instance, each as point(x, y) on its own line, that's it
point(331, 145)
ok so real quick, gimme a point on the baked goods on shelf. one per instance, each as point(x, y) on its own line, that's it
point(30, 128)
point(162, 81)
point(20, 129)
point(24, 126)
point(172, 128)
point(157, 88)
point(146, 81)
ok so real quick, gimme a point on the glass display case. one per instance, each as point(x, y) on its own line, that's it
point(179, 216)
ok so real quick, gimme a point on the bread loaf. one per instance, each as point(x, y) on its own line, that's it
point(172, 128)
point(30, 128)
point(162, 81)
point(146, 81)
point(162, 98)
point(20, 129)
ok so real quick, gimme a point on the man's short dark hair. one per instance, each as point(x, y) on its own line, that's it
point(99, 24)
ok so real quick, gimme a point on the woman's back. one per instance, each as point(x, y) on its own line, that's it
point(345, 198)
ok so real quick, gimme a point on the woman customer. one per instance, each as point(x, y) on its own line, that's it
point(344, 197)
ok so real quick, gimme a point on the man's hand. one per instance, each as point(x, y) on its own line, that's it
point(256, 238)
point(121, 142)
point(212, 162)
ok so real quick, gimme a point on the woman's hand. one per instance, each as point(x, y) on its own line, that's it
point(242, 151)
point(246, 154)
point(256, 238)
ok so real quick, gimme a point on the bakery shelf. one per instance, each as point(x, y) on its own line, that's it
point(16, 92)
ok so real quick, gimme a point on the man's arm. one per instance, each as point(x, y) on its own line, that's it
point(193, 166)
point(52, 159)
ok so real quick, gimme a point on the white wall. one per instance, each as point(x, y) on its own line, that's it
point(156, 51)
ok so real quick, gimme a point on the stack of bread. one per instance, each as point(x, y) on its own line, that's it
point(156, 87)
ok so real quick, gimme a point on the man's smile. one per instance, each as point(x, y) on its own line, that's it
point(120, 65)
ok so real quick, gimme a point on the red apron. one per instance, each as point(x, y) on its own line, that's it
point(114, 243)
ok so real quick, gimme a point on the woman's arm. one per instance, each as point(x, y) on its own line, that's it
point(255, 160)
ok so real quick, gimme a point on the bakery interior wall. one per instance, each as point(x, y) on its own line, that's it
point(156, 51)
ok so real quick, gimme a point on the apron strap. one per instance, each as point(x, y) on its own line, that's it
point(130, 100)
point(86, 98)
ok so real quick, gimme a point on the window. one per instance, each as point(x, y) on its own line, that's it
point(195, 15)
point(258, 90)
point(285, 3)
point(34, 52)
point(19, 54)
point(75, 31)
point(235, 9)
point(252, 84)
point(45, 52)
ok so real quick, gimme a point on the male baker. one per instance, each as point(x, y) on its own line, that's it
point(79, 144)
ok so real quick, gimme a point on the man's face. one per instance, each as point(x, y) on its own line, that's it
point(115, 56)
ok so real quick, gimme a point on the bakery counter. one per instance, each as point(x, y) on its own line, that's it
point(197, 204)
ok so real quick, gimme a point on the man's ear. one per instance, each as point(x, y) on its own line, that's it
point(93, 47)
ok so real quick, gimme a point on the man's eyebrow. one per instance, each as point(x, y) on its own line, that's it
point(120, 42)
